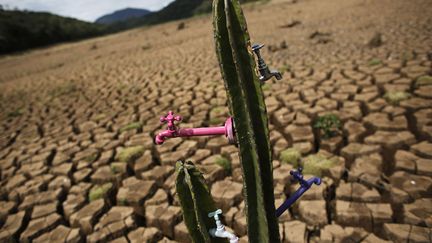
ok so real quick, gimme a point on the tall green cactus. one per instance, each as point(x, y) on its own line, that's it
point(246, 103)
point(196, 202)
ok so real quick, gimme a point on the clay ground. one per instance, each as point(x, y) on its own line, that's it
point(76, 155)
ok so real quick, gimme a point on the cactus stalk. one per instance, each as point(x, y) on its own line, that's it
point(196, 202)
point(246, 103)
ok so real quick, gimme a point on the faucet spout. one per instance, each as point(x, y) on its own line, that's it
point(224, 234)
point(220, 231)
point(162, 136)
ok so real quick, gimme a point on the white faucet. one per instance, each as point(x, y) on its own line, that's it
point(220, 231)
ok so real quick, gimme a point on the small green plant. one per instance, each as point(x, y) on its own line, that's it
point(266, 87)
point(374, 62)
point(314, 164)
point(290, 156)
point(65, 89)
point(423, 80)
point(395, 97)
point(224, 163)
point(216, 121)
point(118, 167)
point(329, 125)
point(122, 201)
point(16, 113)
point(130, 154)
point(91, 158)
point(99, 191)
point(285, 68)
point(131, 126)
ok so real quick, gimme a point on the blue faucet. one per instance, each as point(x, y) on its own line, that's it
point(304, 186)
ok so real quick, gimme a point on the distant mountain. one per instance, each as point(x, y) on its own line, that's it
point(20, 30)
point(178, 9)
point(122, 15)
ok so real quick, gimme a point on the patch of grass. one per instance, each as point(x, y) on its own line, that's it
point(423, 80)
point(122, 201)
point(224, 163)
point(266, 87)
point(406, 56)
point(131, 126)
point(290, 156)
point(285, 68)
point(91, 158)
point(130, 154)
point(217, 110)
point(99, 191)
point(314, 164)
point(63, 90)
point(99, 116)
point(395, 97)
point(122, 86)
point(16, 113)
point(329, 124)
point(374, 62)
point(118, 167)
point(216, 121)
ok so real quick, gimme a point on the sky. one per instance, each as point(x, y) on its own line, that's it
point(87, 10)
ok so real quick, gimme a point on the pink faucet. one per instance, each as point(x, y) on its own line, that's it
point(173, 131)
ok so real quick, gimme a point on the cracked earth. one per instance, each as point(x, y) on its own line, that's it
point(77, 162)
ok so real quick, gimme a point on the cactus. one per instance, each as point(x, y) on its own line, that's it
point(196, 202)
point(246, 103)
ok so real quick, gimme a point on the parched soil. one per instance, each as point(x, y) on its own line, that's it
point(78, 163)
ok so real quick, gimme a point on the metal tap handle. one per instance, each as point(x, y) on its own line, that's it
point(215, 214)
point(170, 118)
point(256, 48)
point(298, 176)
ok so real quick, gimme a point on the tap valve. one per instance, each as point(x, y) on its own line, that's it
point(264, 71)
point(170, 119)
point(215, 215)
point(304, 186)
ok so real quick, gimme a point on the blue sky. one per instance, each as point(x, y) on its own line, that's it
point(88, 10)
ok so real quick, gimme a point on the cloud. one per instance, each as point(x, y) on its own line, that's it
point(88, 10)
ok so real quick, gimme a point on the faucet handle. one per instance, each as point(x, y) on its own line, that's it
point(170, 118)
point(215, 214)
point(257, 47)
point(297, 175)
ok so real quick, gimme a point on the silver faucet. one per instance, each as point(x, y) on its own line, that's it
point(220, 231)
point(264, 71)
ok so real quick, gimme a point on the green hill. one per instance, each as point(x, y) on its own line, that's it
point(178, 9)
point(21, 30)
